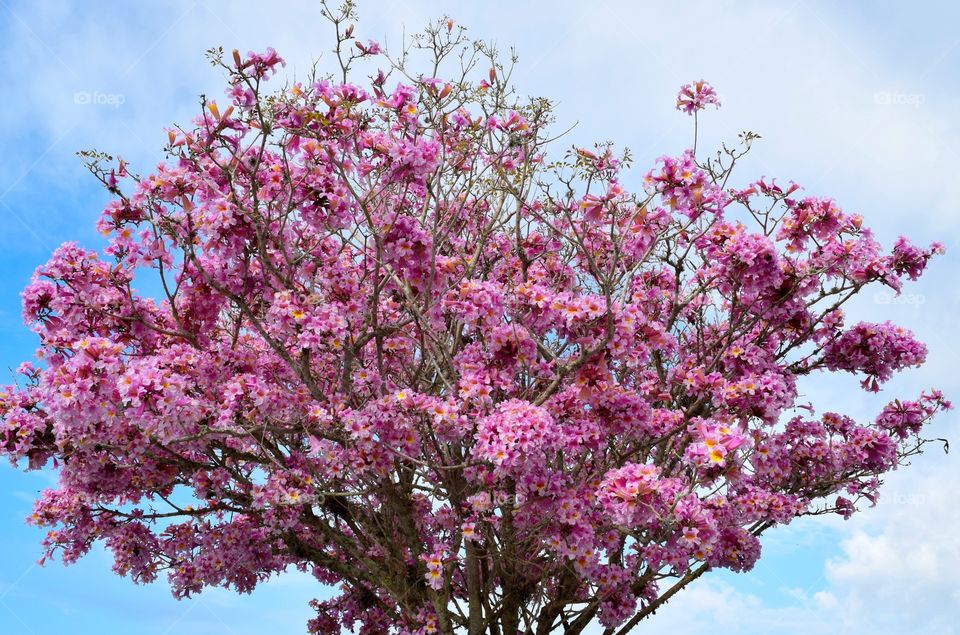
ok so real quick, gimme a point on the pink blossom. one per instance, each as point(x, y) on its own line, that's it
point(696, 96)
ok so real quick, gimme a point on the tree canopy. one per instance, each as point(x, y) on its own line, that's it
point(474, 388)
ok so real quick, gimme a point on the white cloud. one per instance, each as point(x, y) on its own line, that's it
point(899, 570)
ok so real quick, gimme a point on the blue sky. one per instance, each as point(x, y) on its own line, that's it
point(854, 100)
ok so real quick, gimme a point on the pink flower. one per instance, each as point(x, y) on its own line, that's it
point(696, 96)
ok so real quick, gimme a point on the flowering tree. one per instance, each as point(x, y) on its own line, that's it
point(394, 346)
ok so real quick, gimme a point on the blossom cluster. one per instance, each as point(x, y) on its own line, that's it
point(696, 96)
